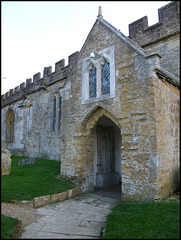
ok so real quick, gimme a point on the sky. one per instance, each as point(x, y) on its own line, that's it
point(37, 34)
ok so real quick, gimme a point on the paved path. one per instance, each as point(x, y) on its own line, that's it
point(80, 217)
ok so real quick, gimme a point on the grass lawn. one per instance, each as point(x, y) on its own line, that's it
point(30, 181)
point(27, 182)
point(7, 227)
point(146, 220)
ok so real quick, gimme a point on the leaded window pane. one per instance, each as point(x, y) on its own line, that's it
point(105, 78)
point(92, 82)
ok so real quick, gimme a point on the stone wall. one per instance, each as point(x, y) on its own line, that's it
point(32, 105)
point(167, 111)
point(38, 83)
point(169, 23)
point(142, 108)
point(169, 49)
point(132, 110)
point(33, 126)
point(162, 37)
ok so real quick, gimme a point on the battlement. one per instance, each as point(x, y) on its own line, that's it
point(139, 31)
point(169, 24)
point(38, 83)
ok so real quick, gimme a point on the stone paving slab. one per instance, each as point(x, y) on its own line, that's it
point(66, 216)
point(81, 217)
point(85, 223)
point(76, 230)
point(92, 218)
point(43, 235)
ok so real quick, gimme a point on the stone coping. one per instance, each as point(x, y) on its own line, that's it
point(53, 198)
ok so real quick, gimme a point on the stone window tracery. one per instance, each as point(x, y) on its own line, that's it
point(98, 76)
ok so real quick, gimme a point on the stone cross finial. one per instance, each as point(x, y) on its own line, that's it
point(100, 12)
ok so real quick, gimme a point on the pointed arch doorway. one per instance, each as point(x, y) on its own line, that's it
point(107, 153)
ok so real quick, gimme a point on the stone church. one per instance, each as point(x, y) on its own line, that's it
point(111, 115)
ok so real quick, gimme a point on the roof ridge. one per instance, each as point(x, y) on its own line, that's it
point(128, 40)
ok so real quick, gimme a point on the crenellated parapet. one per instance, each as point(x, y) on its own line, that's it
point(169, 24)
point(38, 82)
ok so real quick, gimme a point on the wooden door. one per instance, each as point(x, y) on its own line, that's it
point(105, 150)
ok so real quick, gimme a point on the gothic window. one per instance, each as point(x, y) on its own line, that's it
point(92, 82)
point(10, 126)
point(98, 76)
point(54, 113)
point(59, 112)
point(105, 78)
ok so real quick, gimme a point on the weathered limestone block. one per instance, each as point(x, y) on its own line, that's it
point(40, 201)
point(73, 192)
point(127, 108)
point(5, 162)
point(59, 197)
point(44, 200)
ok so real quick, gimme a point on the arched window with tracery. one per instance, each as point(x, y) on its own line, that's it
point(92, 82)
point(105, 78)
point(98, 76)
point(10, 126)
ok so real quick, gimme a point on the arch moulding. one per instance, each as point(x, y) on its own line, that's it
point(92, 116)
